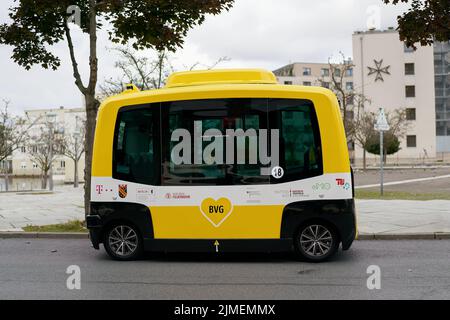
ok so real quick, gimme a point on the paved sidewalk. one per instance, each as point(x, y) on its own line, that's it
point(374, 216)
point(19, 210)
point(403, 216)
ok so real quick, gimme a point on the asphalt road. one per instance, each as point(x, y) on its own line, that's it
point(409, 270)
point(431, 186)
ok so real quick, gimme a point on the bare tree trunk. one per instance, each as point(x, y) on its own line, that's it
point(44, 180)
point(7, 175)
point(91, 114)
point(75, 173)
point(92, 104)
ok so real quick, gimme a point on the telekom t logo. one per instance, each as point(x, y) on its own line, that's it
point(340, 182)
point(99, 188)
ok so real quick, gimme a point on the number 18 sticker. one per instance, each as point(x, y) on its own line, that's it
point(277, 172)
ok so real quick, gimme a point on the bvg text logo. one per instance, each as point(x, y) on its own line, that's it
point(216, 211)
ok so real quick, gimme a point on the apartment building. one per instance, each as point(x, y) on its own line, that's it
point(394, 76)
point(65, 122)
point(311, 74)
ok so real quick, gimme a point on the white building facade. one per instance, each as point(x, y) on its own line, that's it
point(393, 76)
point(66, 122)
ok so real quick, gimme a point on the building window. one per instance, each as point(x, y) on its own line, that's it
point(337, 72)
point(410, 91)
point(298, 128)
point(62, 164)
point(288, 82)
point(23, 149)
point(325, 84)
point(23, 165)
point(325, 72)
point(306, 83)
point(35, 165)
point(306, 71)
point(410, 113)
point(351, 145)
point(411, 141)
point(34, 149)
point(349, 72)
point(409, 68)
point(349, 85)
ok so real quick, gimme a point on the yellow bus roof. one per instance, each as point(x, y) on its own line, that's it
point(205, 77)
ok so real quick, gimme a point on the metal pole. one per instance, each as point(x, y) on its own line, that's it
point(51, 158)
point(381, 162)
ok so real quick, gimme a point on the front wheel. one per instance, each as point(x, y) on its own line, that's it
point(316, 242)
point(122, 241)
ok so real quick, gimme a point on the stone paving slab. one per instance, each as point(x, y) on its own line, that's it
point(374, 216)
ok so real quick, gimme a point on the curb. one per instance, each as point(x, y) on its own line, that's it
point(405, 236)
point(361, 236)
point(43, 235)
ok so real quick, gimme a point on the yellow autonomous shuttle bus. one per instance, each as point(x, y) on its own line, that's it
point(223, 160)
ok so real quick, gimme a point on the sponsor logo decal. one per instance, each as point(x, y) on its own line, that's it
point(321, 186)
point(253, 196)
point(297, 193)
point(216, 211)
point(99, 188)
point(341, 183)
point(144, 194)
point(177, 195)
point(253, 193)
point(123, 190)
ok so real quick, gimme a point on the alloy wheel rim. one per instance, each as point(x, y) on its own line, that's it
point(316, 240)
point(123, 240)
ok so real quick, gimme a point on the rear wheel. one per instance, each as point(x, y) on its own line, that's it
point(316, 241)
point(122, 241)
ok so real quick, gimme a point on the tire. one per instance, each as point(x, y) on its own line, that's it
point(316, 241)
point(122, 241)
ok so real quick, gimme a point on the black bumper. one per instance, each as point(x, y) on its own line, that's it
point(94, 224)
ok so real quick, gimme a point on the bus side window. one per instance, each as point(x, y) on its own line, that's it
point(135, 156)
point(299, 145)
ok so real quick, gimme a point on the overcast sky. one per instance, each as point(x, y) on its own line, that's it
point(254, 33)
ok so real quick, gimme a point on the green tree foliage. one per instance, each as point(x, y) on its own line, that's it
point(160, 24)
point(391, 144)
point(36, 25)
point(424, 21)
